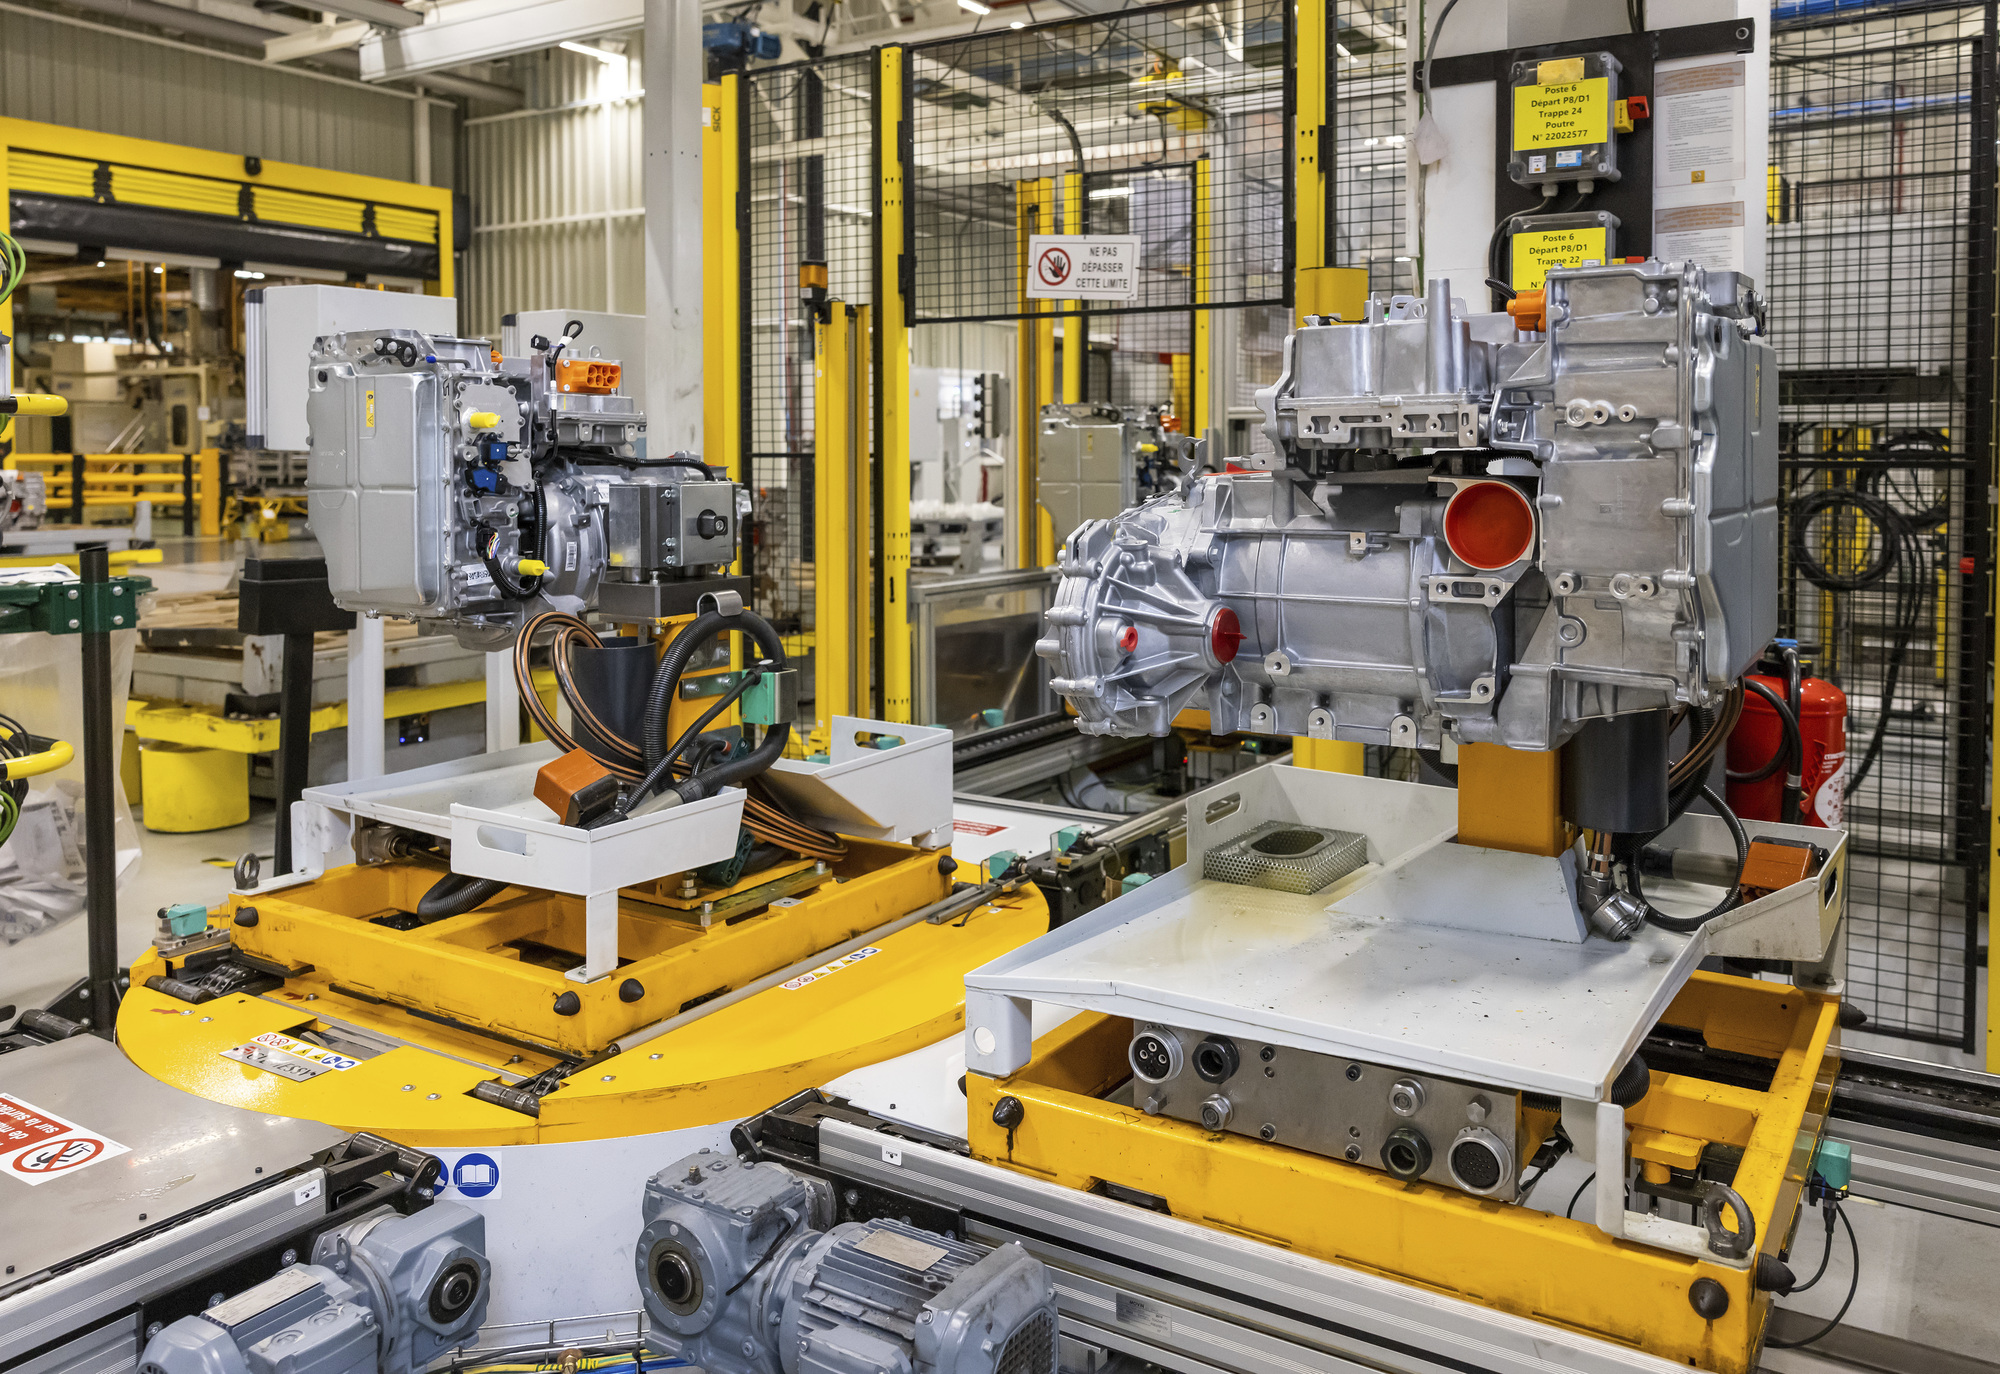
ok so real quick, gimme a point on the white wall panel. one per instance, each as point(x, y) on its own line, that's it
point(557, 209)
point(90, 77)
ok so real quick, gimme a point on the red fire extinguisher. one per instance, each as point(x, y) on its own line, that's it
point(1759, 750)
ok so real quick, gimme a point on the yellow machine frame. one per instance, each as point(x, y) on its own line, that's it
point(52, 157)
point(461, 1005)
point(1508, 1257)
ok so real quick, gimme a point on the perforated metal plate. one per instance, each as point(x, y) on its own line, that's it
point(1287, 857)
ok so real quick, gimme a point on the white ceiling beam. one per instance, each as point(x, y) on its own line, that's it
point(382, 13)
point(313, 42)
point(484, 30)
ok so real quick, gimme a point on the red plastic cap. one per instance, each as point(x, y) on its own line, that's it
point(1489, 525)
point(1225, 636)
point(1128, 638)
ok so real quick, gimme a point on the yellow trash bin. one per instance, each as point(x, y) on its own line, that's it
point(185, 789)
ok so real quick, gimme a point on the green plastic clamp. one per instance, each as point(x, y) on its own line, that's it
point(1132, 880)
point(992, 716)
point(1067, 837)
point(1000, 861)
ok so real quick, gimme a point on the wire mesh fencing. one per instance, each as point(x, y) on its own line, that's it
point(1881, 273)
point(809, 174)
point(1166, 124)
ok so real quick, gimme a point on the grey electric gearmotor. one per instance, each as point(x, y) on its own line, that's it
point(744, 1272)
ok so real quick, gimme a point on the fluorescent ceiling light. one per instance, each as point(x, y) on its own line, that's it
point(1341, 48)
point(974, 7)
point(1018, 24)
point(604, 55)
point(1110, 192)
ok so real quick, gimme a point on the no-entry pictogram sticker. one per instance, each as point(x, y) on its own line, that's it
point(38, 1145)
point(1052, 267)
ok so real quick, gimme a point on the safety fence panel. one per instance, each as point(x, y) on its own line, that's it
point(1370, 102)
point(1880, 286)
point(1166, 123)
point(809, 176)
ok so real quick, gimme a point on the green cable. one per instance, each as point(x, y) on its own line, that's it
point(10, 816)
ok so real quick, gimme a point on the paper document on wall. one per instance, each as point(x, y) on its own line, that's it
point(1698, 125)
point(1709, 235)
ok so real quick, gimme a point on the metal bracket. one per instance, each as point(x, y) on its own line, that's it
point(1478, 591)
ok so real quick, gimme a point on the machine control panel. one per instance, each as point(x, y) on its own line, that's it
point(1411, 1125)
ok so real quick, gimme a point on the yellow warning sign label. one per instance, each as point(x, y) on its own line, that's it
point(1562, 116)
point(1536, 251)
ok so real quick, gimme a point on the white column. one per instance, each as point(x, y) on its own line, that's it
point(672, 133)
point(367, 742)
point(503, 702)
point(420, 138)
point(600, 938)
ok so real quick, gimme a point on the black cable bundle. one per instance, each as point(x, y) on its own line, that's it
point(1899, 561)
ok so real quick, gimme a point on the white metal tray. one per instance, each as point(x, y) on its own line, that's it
point(901, 794)
point(485, 805)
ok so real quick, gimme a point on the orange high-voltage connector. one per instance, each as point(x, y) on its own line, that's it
point(1530, 310)
point(586, 376)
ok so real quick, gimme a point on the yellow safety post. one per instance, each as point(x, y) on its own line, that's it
point(1076, 327)
point(892, 359)
point(861, 568)
point(722, 295)
point(1196, 421)
point(6, 303)
point(208, 491)
point(1034, 385)
point(722, 302)
point(1317, 283)
point(835, 517)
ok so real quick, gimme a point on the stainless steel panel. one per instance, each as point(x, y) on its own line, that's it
point(111, 1348)
point(975, 647)
point(185, 1153)
point(162, 1261)
point(1373, 1321)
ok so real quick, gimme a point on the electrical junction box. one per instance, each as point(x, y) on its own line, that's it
point(280, 324)
point(1541, 242)
point(1563, 121)
point(656, 525)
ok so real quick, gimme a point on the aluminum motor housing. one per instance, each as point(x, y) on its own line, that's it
point(1468, 529)
point(437, 466)
point(744, 1272)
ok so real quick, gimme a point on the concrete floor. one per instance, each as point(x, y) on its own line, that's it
point(172, 868)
